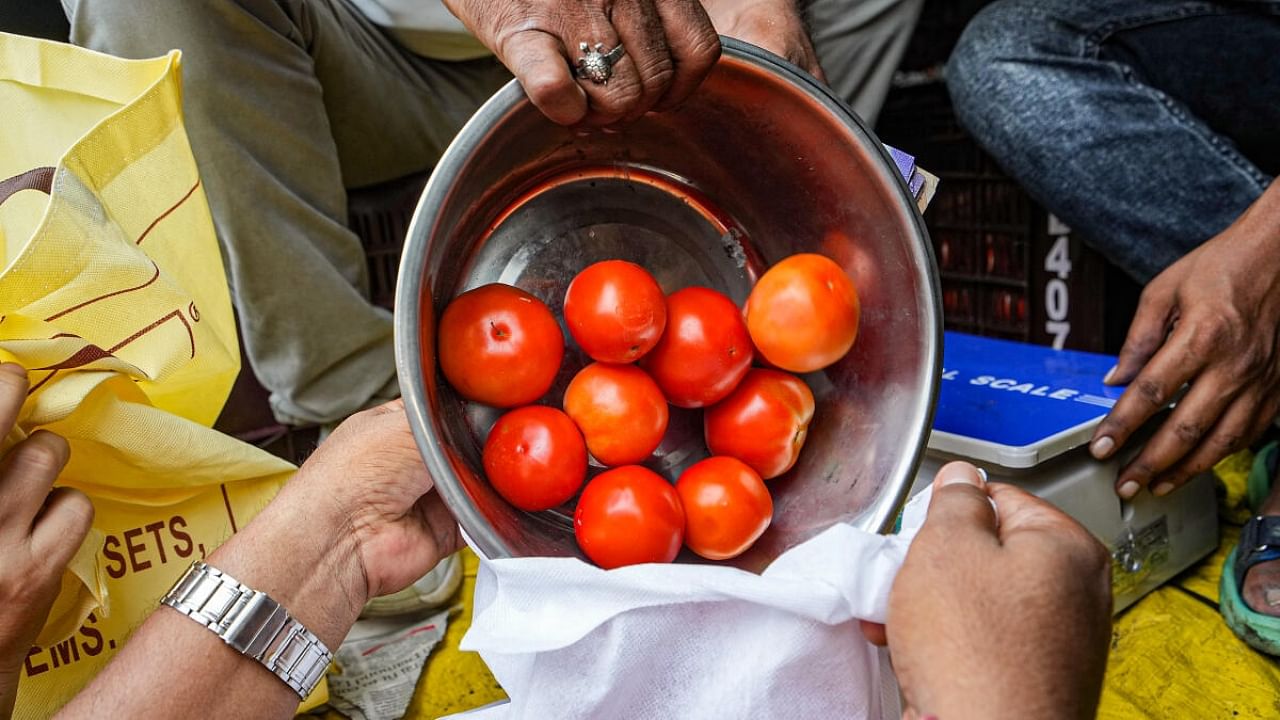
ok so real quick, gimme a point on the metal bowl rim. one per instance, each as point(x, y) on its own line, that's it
point(878, 517)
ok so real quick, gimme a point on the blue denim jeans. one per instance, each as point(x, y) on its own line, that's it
point(1148, 126)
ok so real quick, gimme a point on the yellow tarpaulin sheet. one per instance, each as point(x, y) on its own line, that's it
point(1172, 656)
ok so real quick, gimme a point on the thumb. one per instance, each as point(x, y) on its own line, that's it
point(960, 501)
point(1020, 511)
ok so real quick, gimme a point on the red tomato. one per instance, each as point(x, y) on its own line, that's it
point(499, 345)
point(763, 422)
point(620, 411)
point(615, 311)
point(535, 458)
point(705, 350)
point(803, 313)
point(726, 507)
point(629, 515)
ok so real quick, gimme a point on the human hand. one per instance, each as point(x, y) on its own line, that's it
point(774, 25)
point(999, 613)
point(360, 519)
point(1212, 319)
point(670, 47)
point(40, 530)
point(372, 470)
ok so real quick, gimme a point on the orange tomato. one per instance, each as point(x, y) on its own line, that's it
point(620, 410)
point(803, 313)
point(726, 507)
point(763, 422)
point(705, 350)
point(615, 311)
point(629, 515)
point(499, 345)
point(535, 457)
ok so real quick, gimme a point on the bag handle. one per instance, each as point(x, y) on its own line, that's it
point(40, 179)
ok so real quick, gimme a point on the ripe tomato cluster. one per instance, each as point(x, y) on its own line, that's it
point(694, 348)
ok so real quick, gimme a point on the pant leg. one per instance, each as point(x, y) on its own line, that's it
point(288, 103)
point(1242, 106)
point(1119, 160)
point(859, 44)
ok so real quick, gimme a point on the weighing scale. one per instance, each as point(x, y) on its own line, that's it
point(1025, 414)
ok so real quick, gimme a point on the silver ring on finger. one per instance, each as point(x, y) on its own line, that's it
point(597, 66)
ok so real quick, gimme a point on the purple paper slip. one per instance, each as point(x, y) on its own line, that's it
point(906, 163)
point(916, 183)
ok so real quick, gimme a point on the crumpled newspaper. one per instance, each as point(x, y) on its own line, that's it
point(379, 665)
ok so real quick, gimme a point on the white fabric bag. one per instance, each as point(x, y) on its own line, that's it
point(569, 640)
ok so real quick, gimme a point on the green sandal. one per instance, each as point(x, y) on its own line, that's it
point(1259, 542)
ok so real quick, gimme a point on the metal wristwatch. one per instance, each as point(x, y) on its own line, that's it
point(252, 623)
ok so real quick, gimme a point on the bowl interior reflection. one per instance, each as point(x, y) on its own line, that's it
point(760, 164)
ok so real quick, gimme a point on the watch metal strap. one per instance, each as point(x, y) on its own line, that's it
point(252, 623)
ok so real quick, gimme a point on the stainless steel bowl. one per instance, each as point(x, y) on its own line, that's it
point(761, 163)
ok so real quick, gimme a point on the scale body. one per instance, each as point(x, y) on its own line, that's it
point(1025, 414)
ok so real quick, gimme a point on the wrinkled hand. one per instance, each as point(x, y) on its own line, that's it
point(358, 519)
point(372, 472)
point(670, 47)
point(774, 25)
point(1212, 319)
point(40, 530)
point(1002, 613)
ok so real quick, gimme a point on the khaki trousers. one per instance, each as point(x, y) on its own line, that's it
point(289, 103)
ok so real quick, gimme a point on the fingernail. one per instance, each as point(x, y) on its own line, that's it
point(1162, 489)
point(1102, 447)
point(960, 473)
point(1128, 489)
point(1106, 379)
point(982, 474)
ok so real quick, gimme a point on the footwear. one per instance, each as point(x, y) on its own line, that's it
point(1259, 542)
point(434, 589)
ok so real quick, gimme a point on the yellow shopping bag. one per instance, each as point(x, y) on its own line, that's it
point(114, 297)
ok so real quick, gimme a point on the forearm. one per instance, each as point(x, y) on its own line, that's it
point(775, 25)
point(1267, 206)
point(8, 692)
point(300, 552)
point(722, 10)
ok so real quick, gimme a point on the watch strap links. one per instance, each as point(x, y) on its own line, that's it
point(253, 624)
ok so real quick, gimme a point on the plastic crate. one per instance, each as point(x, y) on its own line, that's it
point(1008, 268)
point(37, 18)
point(380, 215)
point(941, 22)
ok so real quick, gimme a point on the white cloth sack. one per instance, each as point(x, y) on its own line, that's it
point(569, 640)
